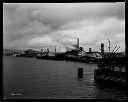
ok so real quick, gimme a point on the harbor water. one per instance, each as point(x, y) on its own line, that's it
point(31, 78)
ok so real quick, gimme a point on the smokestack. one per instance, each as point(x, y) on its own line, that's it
point(90, 50)
point(102, 48)
point(55, 49)
point(77, 42)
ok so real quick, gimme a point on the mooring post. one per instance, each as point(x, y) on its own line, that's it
point(80, 72)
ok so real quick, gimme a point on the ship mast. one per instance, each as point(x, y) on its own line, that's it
point(109, 45)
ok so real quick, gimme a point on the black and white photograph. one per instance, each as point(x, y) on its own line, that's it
point(64, 50)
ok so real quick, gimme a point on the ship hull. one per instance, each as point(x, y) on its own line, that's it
point(109, 78)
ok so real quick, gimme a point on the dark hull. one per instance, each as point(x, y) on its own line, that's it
point(67, 58)
point(109, 77)
point(76, 59)
point(81, 59)
point(25, 56)
point(50, 58)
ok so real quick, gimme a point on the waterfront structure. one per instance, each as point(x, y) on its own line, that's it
point(111, 69)
point(75, 54)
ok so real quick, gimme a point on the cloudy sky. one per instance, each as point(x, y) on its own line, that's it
point(47, 24)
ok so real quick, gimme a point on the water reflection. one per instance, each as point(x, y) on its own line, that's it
point(39, 79)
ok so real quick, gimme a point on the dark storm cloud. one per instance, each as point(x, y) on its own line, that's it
point(32, 22)
point(58, 14)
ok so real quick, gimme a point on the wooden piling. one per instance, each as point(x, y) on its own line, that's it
point(80, 72)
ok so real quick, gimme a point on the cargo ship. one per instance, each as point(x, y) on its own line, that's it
point(51, 56)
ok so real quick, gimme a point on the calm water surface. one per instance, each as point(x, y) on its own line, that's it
point(31, 78)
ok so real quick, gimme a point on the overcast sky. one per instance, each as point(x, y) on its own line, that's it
point(36, 25)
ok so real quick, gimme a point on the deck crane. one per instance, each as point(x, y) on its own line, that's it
point(55, 48)
point(114, 48)
point(117, 49)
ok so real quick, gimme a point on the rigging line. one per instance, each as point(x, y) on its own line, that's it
point(117, 49)
point(114, 48)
